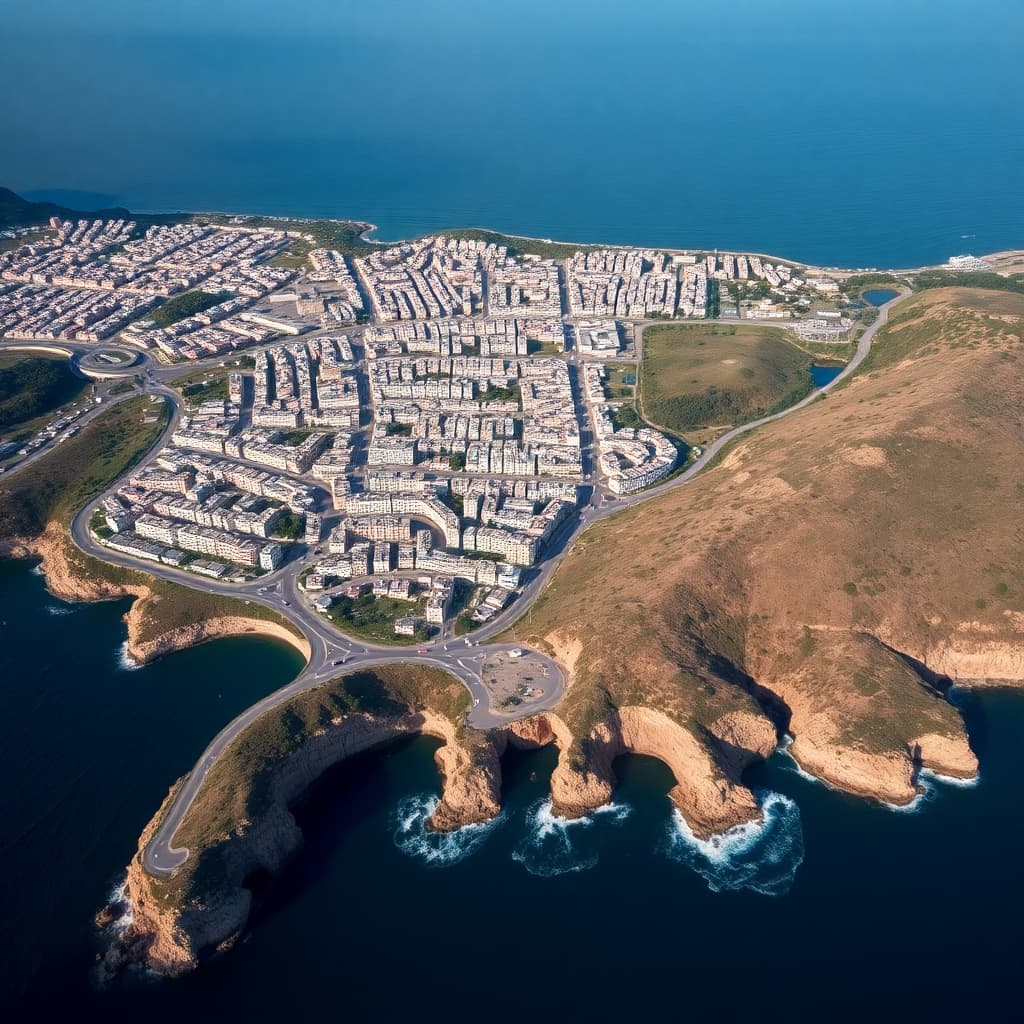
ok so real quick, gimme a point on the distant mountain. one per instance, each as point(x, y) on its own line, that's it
point(16, 211)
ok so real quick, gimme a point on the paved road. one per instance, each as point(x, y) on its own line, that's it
point(330, 649)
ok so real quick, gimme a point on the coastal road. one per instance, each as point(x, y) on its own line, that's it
point(332, 653)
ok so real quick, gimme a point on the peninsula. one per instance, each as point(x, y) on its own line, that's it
point(506, 492)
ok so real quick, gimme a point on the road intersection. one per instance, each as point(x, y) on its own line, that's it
point(332, 653)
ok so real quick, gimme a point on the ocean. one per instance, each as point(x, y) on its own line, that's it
point(836, 909)
point(874, 134)
point(871, 134)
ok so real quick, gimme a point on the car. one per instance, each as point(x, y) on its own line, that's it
point(338, 661)
point(288, 603)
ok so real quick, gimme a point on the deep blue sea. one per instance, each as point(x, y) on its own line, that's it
point(863, 134)
point(837, 910)
point(877, 133)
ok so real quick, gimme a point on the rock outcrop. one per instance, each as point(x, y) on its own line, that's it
point(68, 582)
point(173, 925)
point(171, 929)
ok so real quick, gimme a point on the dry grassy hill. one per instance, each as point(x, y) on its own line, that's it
point(826, 573)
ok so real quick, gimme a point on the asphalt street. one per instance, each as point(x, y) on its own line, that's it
point(332, 653)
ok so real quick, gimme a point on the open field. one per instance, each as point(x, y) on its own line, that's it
point(58, 485)
point(31, 387)
point(373, 618)
point(693, 377)
point(830, 566)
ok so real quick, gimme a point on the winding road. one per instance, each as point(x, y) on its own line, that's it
point(330, 649)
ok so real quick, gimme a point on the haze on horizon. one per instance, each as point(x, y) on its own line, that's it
point(875, 134)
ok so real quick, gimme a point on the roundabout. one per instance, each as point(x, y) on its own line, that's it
point(107, 363)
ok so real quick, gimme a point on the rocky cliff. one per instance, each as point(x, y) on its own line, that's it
point(204, 905)
point(68, 579)
point(173, 925)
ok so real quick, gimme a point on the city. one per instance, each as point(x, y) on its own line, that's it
point(406, 432)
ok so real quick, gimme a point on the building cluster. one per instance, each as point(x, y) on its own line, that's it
point(88, 280)
point(344, 304)
point(598, 338)
point(825, 325)
point(521, 287)
point(185, 505)
point(624, 283)
point(429, 279)
point(484, 336)
point(630, 459)
point(307, 384)
point(501, 417)
point(439, 278)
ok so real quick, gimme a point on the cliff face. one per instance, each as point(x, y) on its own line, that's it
point(169, 935)
point(68, 582)
point(708, 790)
point(839, 566)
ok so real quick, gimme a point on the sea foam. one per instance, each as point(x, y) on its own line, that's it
point(792, 765)
point(928, 783)
point(119, 898)
point(60, 609)
point(437, 849)
point(125, 661)
point(556, 846)
point(762, 856)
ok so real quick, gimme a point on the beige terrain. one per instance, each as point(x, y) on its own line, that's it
point(828, 579)
point(833, 573)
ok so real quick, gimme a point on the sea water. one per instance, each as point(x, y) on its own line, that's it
point(527, 916)
point(873, 134)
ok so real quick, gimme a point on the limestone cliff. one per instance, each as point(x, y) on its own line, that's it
point(70, 582)
point(171, 926)
point(204, 905)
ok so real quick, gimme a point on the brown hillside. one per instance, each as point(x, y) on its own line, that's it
point(828, 569)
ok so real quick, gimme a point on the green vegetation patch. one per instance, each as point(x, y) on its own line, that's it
point(373, 618)
point(186, 305)
point(926, 324)
point(58, 485)
point(290, 526)
point(986, 279)
point(693, 377)
point(214, 389)
point(34, 386)
point(513, 393)
point(240, 787)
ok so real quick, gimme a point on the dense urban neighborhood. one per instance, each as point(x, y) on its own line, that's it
point(410, 430)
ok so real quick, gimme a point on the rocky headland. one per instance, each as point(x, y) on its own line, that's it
point(204, 905)
point(153, 630)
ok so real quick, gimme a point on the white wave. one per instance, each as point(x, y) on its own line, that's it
point(435, 848)
point(118, 897)
point(762, 856)
point(125, 661)
point(792, 765)
point(37, 569)
point(554, 845)
point(60, 609)
point(926, 775)
point(928, 783)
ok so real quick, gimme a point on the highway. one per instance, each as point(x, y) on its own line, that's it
point(333, 654)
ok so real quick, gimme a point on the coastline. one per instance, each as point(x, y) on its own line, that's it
point(368, 229)
point(68, 583)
